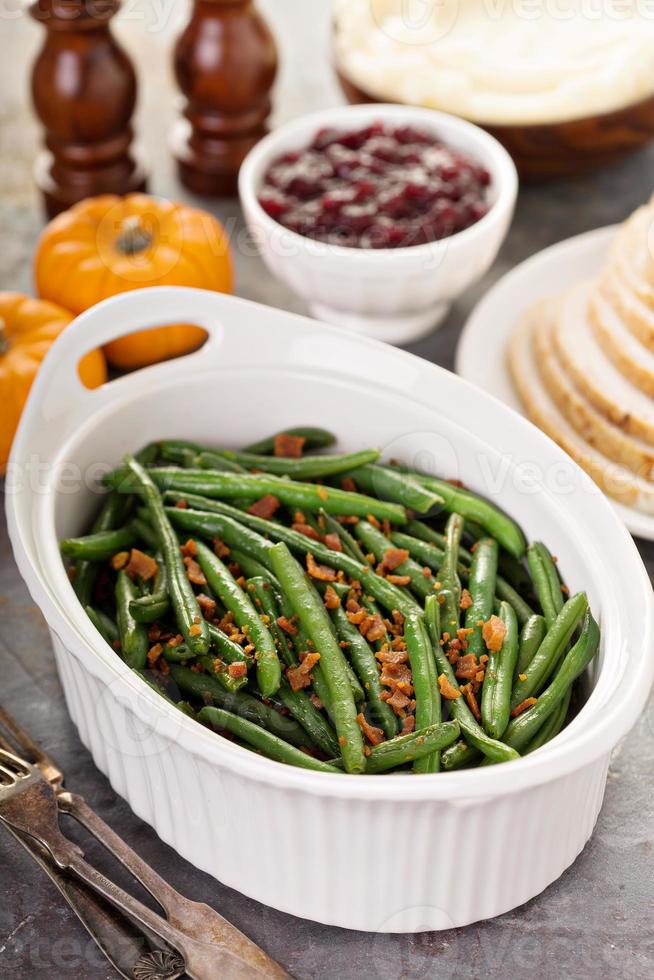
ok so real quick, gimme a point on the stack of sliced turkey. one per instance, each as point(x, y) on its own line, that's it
point(583, 365)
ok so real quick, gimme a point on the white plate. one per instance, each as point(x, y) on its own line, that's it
point(481, 354)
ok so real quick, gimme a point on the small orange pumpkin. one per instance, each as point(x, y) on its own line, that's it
point(28, 328)
point(108, 244)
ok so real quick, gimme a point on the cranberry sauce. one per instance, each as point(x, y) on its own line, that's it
point(378, 187)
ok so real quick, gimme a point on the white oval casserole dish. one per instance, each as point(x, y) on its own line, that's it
point(383, 853)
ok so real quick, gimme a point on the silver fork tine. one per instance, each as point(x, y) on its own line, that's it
point(34, 752)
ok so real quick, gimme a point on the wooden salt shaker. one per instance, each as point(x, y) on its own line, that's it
point(84, 93)
point(225, 64)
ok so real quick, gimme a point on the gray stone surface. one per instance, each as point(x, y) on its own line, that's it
point(596, 921)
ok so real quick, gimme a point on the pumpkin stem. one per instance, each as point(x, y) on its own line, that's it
point(4, 339)
point(133, 237)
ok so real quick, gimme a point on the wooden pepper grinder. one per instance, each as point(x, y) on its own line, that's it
point(225, 64)
point(84, 93)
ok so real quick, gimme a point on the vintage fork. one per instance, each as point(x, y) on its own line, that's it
point(28, 804)
point(187, 916)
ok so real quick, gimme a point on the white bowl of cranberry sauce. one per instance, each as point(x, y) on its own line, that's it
point(379, 216)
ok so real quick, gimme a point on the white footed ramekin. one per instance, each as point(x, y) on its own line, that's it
point(390, 853)
point(397, 294)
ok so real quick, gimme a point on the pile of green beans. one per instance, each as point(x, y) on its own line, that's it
point(330, 611)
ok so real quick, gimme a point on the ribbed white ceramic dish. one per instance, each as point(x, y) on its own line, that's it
point(386, 853)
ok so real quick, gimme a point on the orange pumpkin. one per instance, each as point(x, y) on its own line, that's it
point(107, 245)
point(28, 328)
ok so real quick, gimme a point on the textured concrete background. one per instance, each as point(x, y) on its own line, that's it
point(596, 921)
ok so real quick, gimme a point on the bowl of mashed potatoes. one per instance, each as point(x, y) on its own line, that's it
point(566, 86)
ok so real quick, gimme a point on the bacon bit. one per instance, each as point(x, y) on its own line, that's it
point(289, 446)
point(493, 633)
point(471, 700)
point(265, 507)
point(397, 701)
point(398, 579)
point(194, 573)
point(154, 633)
point(456, 483)
point(564, 589)
point(315, 701)
point(322, 572)
point(408, 725)
point(331, 598)
point(522, 677)
point(348, 484)
point(464, 632)
point(220, 548)
point(181, 505)
point(286, 625)
point(392, 656)
point(342, 740)
point(238, 669)
point(207, 605)
point(333, 541)
point(356, 618)
point(393, 558)
point(71, 571)
point(376, 630)
point(374, 735)
point(175, 641)
point(467, 667)
point(448, 691)
point(397, 675)
point(300, 676)
point(119, 560)
point(142, 565)
point(523, 706)
point(195, 630)
point(164, 667)
point(466, 600)
point(154, 653)
point(373, 520)
point(347, 519)
point(299, 517)
point(307, 530)
point(426, 572)
point(322, 493)
point(190, 548)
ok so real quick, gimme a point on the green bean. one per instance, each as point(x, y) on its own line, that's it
point(188, 615)
point(178, 450)
point(523, 728)
point(391, 484)
point(551, 726)
point(133, 636)
point(266, 743)
point(204, 687)
point(222, 582)
point(481, 584)
point(310, 611)
point(249, 486)
point(103, 624)
point(533, 634)
point(449, 593)
point(424, 682)
point(145, 532)
point(99, 546)
point(498, 679)
point(365, 665)
point(209, 460)
point(350, 545)
point(227, 649)
point(301, 707)
point(469, 505)
point(303, 467)
point(403, 749)
point(177, 655)
point(472, 732)
point(377, 542)
point(217, 669)
point(250, 567)
point(546, 581)
point(150, 608)
point(551, 649)
point(314, 438)
point(206, 524)
point(112, 514)
point(463, 756)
